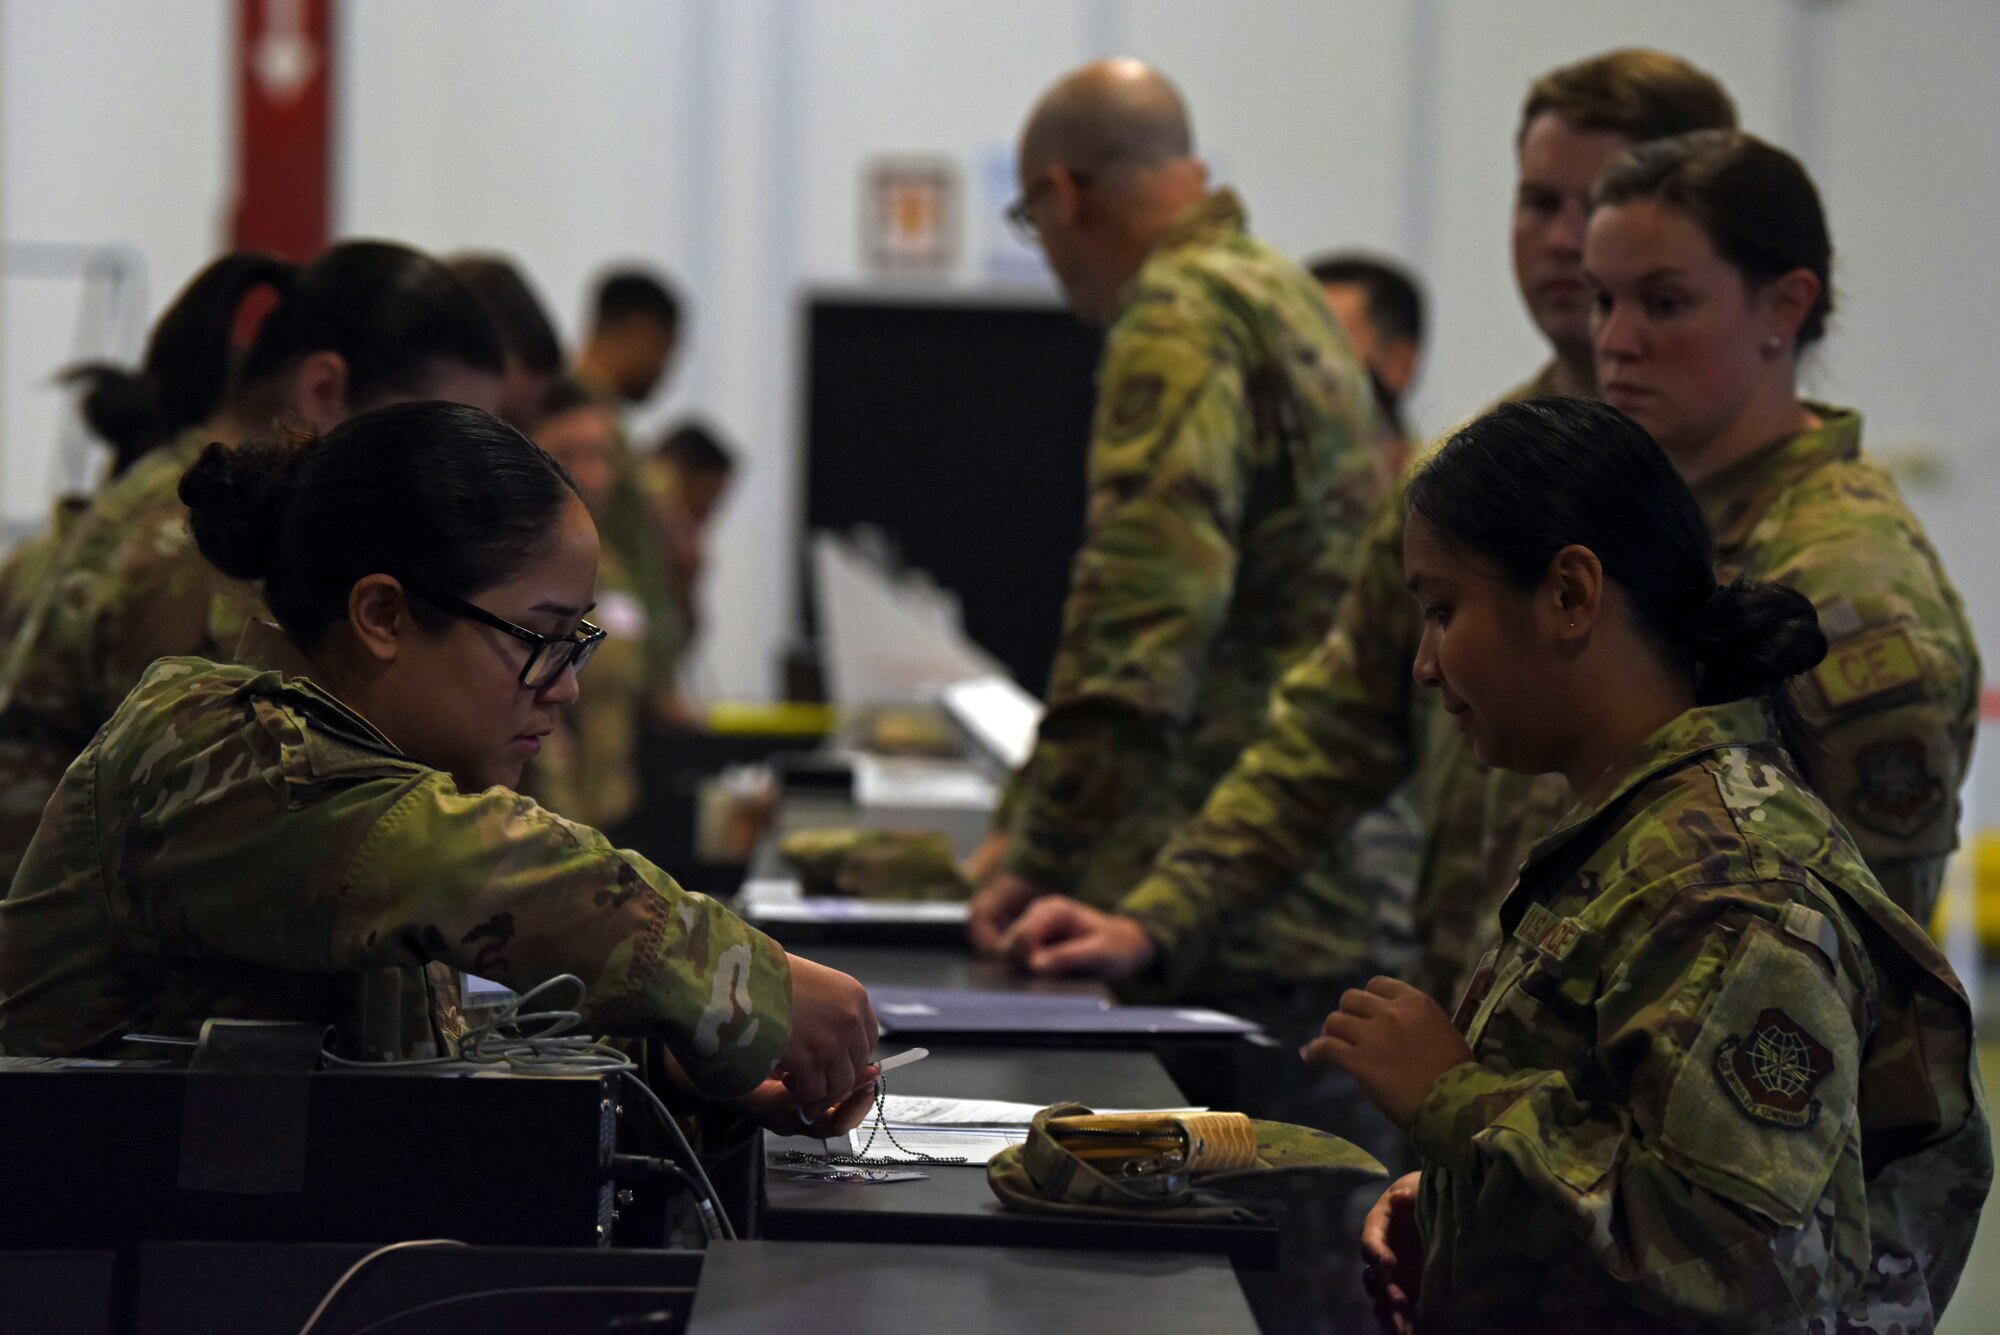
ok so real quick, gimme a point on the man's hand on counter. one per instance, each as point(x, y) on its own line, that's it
point(1059, 935)
point(998, 903)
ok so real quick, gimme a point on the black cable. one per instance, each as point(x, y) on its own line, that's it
point(347, 1277)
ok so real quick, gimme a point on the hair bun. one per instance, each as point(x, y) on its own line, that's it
point(1750, 637)
point(236, 501)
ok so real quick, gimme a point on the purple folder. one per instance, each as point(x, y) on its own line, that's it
point(910, 1011)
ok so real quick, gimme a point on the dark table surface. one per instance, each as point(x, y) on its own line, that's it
point(871, 1289)
point(911, 966)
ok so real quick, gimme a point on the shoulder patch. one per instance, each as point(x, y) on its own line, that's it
point(1867, 666)
point(1896, 793)
point(1773, 1070)
point(1133, 404)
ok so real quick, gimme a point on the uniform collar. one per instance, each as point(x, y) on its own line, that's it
point(267, 649)
point(1737, 499)
point(1218, 215)
point(1543, 382)
point(1700, 730)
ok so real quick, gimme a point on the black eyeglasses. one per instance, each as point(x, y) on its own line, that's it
point(1020, 214)
point(551, 654)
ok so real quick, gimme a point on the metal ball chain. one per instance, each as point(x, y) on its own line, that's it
point(860, 1159)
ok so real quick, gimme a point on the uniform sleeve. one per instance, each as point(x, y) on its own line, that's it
point(152, 600)
point(392, 873)
point(1151, 584)
point(1894, 705)
point(1696, 1173)
point(1891, 760)
point(627, 528)
point(1337, 741)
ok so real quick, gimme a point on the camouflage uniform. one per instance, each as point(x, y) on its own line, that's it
point(628, 532)
point(130, 587)
point(588, 769)
point(1894, 706)
point(32, 566)
point(237, 842)
point(1229, 474)
point(1343, 729)
point(1896, 702)
point(1721, 1078)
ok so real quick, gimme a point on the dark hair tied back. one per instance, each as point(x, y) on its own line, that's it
point(435, 494)
point(1518, 485)
point(1749, 637)
point(236, 500)
point(189, 360)
point(1753, 200)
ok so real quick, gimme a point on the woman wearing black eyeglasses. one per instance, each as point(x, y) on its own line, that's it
point(310, 833)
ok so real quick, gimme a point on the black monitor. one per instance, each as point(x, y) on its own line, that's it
point(958, 426)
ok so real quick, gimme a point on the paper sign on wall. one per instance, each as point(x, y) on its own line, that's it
point(911, 215)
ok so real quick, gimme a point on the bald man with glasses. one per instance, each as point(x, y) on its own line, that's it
point(1229, 474)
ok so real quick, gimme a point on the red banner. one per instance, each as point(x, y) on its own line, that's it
point(283, 127)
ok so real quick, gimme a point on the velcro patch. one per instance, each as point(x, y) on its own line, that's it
point(1134, 403)
point(1774, 1069)
point(1884, 660)
point(1544, 931)
point(1897, 795)
point(1760, 1106)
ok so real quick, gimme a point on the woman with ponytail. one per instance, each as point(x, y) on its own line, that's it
point(316, 831)
point(1713, 1077)
point(1712, 268)
point(368, 323)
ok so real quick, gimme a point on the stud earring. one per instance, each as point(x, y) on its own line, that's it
point(1772, 344)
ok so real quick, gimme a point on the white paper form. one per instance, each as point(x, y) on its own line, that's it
point(972, 1129)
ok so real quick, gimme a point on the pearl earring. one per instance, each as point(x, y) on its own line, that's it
point(1773, 343)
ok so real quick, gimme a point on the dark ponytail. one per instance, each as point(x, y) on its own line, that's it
point(432, 493)
point(189, 362)
point(1526, 480)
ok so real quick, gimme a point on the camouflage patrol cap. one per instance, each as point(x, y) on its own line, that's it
point(1293, 1163)
point(876, 864)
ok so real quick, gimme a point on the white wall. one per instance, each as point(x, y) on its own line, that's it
point(113, 133)
point(724, 140)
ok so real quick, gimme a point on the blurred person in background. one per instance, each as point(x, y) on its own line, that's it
point(528, 341)
point(635, 335)
point(685, 481)
point(368, 323)
point(634, 338)
point(1381, 307)
point(588, 768)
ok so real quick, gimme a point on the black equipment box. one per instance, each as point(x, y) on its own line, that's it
point(107, 1154)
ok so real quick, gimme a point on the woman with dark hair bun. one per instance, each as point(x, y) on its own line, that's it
point(313, 832)
point(1714, 1076)
point(367, 323)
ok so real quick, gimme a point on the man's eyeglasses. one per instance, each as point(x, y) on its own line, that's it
point(551, 654)
point(1020, 214)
